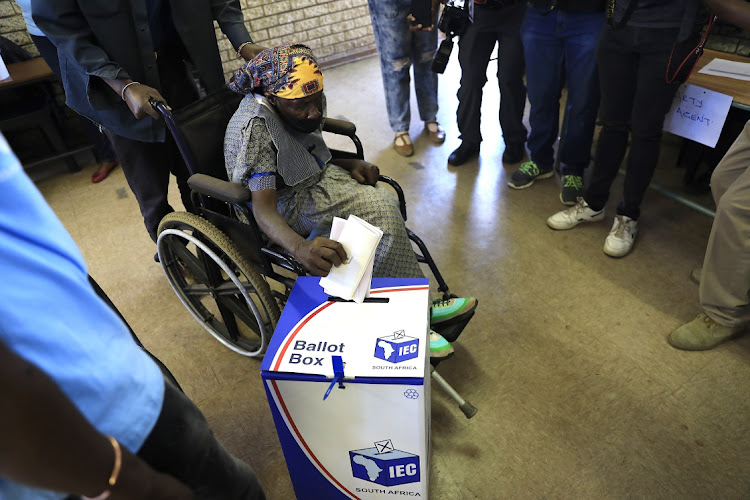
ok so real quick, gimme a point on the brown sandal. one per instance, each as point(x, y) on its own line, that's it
point(402, 144)
point(435, 131)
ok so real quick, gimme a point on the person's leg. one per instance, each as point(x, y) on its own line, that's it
point(653, 98)
point(393, 41)
point(336, 194)
point(581, 32)
point(146, 166)
point(617, 67)
point(725, 280)
point(543, 49)
point(425, 80)
point(510, 71)
point(182, 445)
point(474, 51)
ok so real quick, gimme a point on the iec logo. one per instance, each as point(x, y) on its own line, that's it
point(397, 347)
point(385, 465)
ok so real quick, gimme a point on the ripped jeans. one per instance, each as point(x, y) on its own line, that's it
point(399, 50)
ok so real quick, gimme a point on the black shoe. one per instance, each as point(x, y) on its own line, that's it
point(463, 153)
point(156, 257)
point(513, 153)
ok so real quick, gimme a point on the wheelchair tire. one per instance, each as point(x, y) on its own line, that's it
point(220, 288)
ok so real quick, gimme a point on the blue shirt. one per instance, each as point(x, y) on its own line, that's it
point(26, 10)
point(50, 316)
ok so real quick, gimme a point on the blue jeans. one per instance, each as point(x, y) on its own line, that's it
point(560, 49)
point(399, 49)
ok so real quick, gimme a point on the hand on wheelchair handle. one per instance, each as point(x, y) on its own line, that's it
point(138, 98)
point(320, 255)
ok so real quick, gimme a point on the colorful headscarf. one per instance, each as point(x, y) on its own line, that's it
point(289, 71)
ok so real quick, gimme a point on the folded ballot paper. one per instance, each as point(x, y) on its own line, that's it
point(351, 281)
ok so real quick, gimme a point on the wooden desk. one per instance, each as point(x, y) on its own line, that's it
point(27, 72)
point(738, 89)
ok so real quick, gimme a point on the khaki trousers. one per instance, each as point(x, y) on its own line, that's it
point(725, 281)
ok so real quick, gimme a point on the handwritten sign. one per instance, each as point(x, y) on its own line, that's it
point(698, 114)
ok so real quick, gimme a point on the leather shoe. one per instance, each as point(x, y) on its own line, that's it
point(435, 131)
point(463, 153)
point(403, 145)
point(513, 153)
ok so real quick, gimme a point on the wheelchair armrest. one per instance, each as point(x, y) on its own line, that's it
point(341, 127)
point(399, 192)
point(221, 190)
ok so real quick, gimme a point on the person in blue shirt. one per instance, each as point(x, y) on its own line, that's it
point(86, 411)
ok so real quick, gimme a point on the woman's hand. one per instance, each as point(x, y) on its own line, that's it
point(364, 172)
point(319, 255)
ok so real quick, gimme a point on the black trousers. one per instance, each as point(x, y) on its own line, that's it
point(491, 26)
point(147, 165)
point(184, 447)
point(635, 97)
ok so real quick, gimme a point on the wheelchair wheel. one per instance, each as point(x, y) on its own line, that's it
point(216, 283)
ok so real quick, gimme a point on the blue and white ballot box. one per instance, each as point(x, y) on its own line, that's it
point(349, 389)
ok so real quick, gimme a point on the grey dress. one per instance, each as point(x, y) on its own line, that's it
point(260, 153)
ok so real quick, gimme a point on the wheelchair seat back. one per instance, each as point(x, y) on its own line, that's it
point(203, 125)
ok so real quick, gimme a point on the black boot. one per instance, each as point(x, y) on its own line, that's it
point(463, 153)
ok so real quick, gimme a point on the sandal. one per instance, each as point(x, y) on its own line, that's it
point(435, 131)
point(103, 171)
point(402, 144)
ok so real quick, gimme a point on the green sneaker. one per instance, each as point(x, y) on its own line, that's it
point(572, 188)
point(701, 334)
point(452, 309)
point(527, 173)
point(439, 347)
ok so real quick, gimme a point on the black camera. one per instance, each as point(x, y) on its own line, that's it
point(455, 19)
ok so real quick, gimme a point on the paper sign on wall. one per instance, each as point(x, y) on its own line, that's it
point(698, 114)
point(3, 70)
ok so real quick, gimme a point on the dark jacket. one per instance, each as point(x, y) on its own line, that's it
point(111, 39)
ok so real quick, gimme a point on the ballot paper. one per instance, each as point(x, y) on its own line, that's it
point(729, 69)
point(351, 280)
point(3, 70)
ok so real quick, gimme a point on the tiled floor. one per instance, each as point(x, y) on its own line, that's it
point(579, 394)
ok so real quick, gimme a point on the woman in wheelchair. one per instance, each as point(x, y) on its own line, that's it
point(274, 146)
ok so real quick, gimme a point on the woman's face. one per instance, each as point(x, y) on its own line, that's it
point(304, 114)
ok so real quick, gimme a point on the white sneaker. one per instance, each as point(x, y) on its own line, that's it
point(570, 218)
point(621, 237)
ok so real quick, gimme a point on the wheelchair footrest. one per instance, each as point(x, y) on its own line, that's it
point(451, 330)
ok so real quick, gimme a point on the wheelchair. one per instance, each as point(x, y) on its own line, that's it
point(231, 278)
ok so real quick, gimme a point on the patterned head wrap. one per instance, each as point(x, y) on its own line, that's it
point(289, 71)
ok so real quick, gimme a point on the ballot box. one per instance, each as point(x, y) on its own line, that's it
point(349, 390)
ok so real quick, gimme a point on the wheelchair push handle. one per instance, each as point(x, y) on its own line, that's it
point(160, 106)
point(179, 139)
